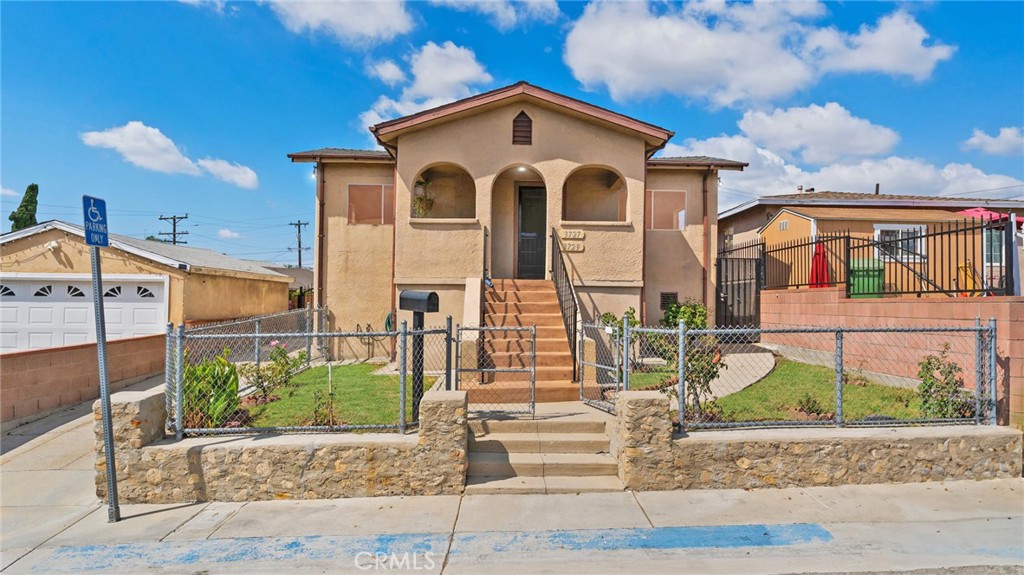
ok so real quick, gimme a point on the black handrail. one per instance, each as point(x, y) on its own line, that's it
point(566, 297)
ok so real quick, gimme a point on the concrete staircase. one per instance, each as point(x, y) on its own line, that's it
point(523, 303)
point(544, 455)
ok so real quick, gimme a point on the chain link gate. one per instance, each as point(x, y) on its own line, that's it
point(600, 371)
point(497, 367)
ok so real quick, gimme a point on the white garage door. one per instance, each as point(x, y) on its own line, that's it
point(38, 312)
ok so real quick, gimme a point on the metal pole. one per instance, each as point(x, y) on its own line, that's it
point(401, 375)
point(625, 352)
point(618, 360)
point(256, 345)
point(533, 371)
point(979, 370)
point(113, 510)
point(417, 363)
point(839, 378)
point(682, 375)
point(309, 337)
point(169, 370)
point(458, 350)
point(993, 400)
point(179, 384)
point(448, 353)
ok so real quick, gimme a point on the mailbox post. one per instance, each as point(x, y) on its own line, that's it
point(418, 302)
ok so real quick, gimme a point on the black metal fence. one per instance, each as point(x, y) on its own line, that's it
point(566, 297)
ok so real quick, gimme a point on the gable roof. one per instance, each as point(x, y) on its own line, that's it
point(875, 214)
point(180, 257)
point(385, 130)
point(696, 162)
point(340, 154)
point(856, 199)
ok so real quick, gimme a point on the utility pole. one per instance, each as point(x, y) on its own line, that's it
point(298, 239)
point(174, 233)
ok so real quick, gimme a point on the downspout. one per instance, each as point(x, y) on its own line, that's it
point(707, 237)
point(320, 234)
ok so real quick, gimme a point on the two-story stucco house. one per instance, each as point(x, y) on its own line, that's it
point(479, 187)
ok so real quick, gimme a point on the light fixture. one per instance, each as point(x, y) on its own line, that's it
point(522, 169)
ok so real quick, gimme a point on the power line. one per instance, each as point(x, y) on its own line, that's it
point(174, 233)
point(298, 238)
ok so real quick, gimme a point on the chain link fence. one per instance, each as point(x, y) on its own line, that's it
point(275, 374)
point(803, 376)
point(600, 365)
point(497, 367)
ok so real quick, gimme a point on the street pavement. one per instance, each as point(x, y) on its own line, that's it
point(51, 522)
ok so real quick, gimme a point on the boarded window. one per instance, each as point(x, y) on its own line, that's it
point(666, 210)
point(669, 298)
point(522, 130)
point(371, 204)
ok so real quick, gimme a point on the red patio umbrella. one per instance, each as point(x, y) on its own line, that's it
point(819, 268)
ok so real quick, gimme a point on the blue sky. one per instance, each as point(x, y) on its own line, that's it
point(190, 107)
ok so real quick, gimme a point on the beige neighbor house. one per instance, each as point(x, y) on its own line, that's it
point(480, 187)
point(46, 289)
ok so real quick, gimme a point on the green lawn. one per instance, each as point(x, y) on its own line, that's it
point(772, 398)
point(360, 397)
point(651, 377)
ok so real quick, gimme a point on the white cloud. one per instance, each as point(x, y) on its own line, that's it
point(770, 174)
point(507, 14)
point(821, 134)
point(1008, 142)
point(733, 53)
point(215, 5)
point(896, 45)
point(440, 74)
point(237, 174)
point(386, 71)
point(228, 234)
point(7, 192)
point(350, 22)
point(144, 147)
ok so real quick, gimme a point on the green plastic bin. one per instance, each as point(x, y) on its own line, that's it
point(866, 277)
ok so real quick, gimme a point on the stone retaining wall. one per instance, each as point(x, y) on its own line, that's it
point(154, 469)
point(651, 458)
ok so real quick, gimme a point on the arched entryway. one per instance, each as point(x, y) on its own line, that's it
point(519, 221)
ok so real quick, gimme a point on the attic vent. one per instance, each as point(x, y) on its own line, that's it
point(669, 298)
point(783, 225)
point(522, 130)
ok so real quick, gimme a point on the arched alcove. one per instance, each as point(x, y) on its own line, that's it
point(594, 194)
point(444, 191)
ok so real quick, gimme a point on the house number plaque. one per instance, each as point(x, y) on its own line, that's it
point(573, 235)
point(572, 247)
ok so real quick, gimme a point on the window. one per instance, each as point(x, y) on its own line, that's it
point(666, 210)
point(74, 291)
point(6, 291)
point(783, 225)
point(994, 247)
point(896, 242)
point(43, 291)
point(522, 130)
point(113, 292)
point(372, 204)
point(143, 291)
point(669, 298)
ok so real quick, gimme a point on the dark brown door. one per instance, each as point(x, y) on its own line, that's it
point(532, 216)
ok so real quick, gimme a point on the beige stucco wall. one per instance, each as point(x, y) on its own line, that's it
point(357, 259)
point(745, 224)
point(481, 144)
point(27, 255)
point(213, 297)
point(674, 258)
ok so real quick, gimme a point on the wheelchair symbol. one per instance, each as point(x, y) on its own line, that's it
point(94, 214)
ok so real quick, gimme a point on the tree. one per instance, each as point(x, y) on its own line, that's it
point(153, 238)
point(25, 215)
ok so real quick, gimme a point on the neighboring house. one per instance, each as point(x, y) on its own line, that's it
point(475, 188)
point(46, 289)
point(740, 225)
point(301, 288)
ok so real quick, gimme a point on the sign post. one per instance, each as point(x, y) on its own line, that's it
point(94, 215)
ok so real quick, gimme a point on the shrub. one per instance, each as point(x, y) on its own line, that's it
point(210, 392)
point(276, 373)
point(810, 405)
point(943, 395)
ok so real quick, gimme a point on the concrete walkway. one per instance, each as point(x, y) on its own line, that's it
point(51, 522)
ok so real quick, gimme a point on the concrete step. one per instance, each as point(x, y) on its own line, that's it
point(525, 359)
point(546, 392)
point(520, 296)
point(544, 373)
point(504, 308)
point(521, 345)
point(523, 285)
point(524, 320)
point(540, 443)
point(484, 426)
point(543, 332)
point(549, 484)
point(541, 464)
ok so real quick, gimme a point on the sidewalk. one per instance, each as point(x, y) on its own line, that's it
point(51, 522)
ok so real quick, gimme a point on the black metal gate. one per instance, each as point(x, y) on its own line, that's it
point(739, 292)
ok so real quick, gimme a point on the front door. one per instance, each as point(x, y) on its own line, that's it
point(532, 223)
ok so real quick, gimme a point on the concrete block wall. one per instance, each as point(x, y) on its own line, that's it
point(896, 355)
point(36, 382)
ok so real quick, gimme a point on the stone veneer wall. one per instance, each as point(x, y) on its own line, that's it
point(651, 458)
point(154, 469)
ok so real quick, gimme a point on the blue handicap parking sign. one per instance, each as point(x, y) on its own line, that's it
point(94, 214)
